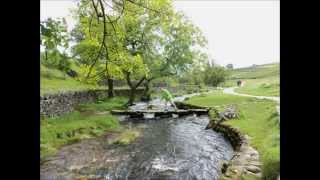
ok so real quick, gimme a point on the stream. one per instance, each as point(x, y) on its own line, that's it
point(169, 148)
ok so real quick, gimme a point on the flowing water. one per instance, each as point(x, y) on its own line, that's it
point(169, 148)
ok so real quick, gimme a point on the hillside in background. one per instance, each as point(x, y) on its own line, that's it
point(261, 80)
point(54, 81)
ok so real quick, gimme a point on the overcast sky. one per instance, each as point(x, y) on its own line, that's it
point(239, 32)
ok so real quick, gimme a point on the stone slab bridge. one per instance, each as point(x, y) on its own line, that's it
point(159, 113)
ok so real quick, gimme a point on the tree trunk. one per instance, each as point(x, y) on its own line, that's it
point(110, 88)
point(133, 88)
point(131, 97)
point(146, 96)
point(46, 55)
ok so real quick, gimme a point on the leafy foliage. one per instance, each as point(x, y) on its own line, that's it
point(165, 42)
point(54, 33)
point(215, 75)
point(54, 36)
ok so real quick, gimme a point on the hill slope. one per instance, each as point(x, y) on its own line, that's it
point(261, 80)
point(54, 81)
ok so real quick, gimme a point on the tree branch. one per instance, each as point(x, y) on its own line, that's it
point(104, 35)
point(98, 74)
point(95, 9)
point(121, 13)
point(141, 5)
point(141, 80)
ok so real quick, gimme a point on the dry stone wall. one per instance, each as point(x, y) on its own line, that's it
point(62, 103)
point(246, 159)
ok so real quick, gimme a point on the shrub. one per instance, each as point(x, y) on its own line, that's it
point(56, 60)
point(214, 76)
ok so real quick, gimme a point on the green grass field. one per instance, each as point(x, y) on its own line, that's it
point(262, 80)
point(258, 119)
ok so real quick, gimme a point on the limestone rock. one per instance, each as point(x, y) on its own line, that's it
point(253, 169)
point(255, 163)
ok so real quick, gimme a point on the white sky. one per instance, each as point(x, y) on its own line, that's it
point(239, 32)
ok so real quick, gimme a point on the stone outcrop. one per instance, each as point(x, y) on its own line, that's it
point(230, 112)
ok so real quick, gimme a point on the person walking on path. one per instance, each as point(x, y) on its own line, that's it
point(239, 83)
point(167, 97)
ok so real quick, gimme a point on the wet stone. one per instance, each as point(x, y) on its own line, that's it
point(253, 169)
point(255, 163)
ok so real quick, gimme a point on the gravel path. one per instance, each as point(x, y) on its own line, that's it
point(231, 91)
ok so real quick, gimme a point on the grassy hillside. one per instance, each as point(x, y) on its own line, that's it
point(261, 80)
point(53, 81)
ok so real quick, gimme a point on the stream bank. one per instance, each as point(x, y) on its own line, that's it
point(258, 119)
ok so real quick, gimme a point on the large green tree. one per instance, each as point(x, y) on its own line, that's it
point(139, 41)
point(113, 40)
point(168, 42)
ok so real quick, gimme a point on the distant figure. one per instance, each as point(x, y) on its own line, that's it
point(166, 95)
point(239, 83)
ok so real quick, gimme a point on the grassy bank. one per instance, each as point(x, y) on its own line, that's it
point(103, 105)
point(262, 80)
point(84, 123)
point(259, 120)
